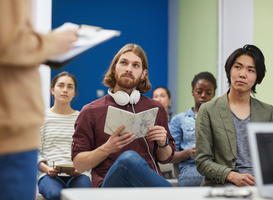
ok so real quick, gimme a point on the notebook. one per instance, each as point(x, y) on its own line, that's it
point(260, 136)
point(139, 122)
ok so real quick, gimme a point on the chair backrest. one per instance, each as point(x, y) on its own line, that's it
point(166, 170)
point(175, 170)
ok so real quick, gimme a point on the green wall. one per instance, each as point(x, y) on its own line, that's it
point(197, 48)
point(263, 38)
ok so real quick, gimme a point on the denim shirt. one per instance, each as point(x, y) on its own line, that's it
point(182, 128)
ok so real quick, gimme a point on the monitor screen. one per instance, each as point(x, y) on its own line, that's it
point(265, 150)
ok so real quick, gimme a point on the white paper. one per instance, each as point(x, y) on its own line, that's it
point(87, 39)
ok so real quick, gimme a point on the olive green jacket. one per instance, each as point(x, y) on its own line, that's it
point(216, 151)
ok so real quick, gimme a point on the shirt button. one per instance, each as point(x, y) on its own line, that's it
point(218, 180)
point(233, 160)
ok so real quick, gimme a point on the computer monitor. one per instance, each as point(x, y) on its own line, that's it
point(260, 135)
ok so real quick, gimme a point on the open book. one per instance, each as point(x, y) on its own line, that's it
point(65, 168)
point(139, 123)
point(88, 37)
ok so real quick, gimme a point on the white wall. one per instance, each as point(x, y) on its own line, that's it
point(235, 29)
point(41, 17)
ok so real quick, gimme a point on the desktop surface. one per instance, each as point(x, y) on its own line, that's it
point(185, 193)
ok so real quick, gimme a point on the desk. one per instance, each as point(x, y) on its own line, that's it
point(180, 193)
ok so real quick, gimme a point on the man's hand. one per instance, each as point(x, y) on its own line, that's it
point(117, 142)
point(241, 179)
point(158, 134)
point(52, 172)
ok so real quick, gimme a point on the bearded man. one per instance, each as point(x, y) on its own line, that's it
point(123, 161)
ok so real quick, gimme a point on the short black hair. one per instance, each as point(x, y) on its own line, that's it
point(258, 58)
point(204, 75)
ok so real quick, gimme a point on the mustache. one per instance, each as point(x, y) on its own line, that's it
point(128, 74)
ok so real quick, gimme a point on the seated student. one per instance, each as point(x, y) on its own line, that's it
point(56, 139)
point(163, 95)
point(222, 149)
point(122, 161)
point(182, 128)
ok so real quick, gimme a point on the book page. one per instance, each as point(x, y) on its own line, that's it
point(139, 123)
point(143, 121)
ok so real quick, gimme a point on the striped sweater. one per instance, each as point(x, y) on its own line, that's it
point(56, 138)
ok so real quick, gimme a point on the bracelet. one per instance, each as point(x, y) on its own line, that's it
point(166, 144)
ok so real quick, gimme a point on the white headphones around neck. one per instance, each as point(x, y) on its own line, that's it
point(122, 98)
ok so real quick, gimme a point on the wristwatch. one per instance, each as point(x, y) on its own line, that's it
point(166, 144)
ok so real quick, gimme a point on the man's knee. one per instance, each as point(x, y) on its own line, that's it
point(129, 157)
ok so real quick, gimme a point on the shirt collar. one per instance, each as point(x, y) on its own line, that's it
point(190, 113)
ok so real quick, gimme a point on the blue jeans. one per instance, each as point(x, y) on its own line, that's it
point(131, 170)
point(189, 176)
point(18, 175)
point(51, 188)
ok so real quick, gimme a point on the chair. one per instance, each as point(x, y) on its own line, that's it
point(175, 170)
point(166, 170)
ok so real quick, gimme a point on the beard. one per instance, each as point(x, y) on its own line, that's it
point(127, 83)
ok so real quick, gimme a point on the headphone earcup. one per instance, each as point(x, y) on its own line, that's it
point(122, 98)
point(134, 97)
